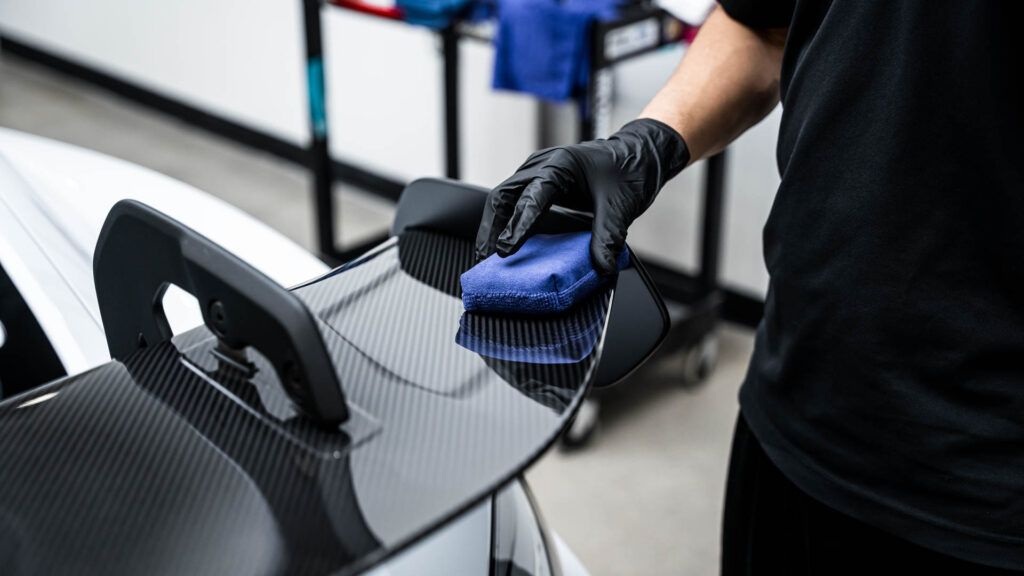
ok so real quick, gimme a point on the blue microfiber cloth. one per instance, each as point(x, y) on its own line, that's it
point(549, 274)
point(542, 48)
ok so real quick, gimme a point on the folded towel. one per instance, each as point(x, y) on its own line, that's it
point(549, 274)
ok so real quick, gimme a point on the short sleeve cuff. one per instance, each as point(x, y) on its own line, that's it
point(760, 14)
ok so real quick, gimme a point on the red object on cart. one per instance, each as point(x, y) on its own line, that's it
point(390, 12)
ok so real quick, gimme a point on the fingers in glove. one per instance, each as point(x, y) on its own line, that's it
point(556, 175)
point(535, 201)
point(498, 209)
point(608, 238)
point(501, 202)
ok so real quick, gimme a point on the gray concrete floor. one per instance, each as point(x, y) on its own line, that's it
point(644, 498)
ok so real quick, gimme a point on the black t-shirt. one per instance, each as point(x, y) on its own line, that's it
point(888, 373)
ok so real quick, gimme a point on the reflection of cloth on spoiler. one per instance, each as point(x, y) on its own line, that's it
point(533, 353)
point(523, 378)
point(563, 341)
point(541, 46)
point(549, 274)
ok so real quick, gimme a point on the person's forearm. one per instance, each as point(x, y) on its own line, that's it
point(727, 82)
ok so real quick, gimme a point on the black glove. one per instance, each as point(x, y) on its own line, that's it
point(616, 178)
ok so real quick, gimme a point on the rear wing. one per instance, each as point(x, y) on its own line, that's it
point(194, 454)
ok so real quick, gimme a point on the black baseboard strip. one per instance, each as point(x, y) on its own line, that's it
point(142, 96)
point(373, 183)
point(376, 184)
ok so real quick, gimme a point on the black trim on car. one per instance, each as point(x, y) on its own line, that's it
point(27, 359)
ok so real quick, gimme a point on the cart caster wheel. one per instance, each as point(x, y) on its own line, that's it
point(581, 431)
point(700, 360)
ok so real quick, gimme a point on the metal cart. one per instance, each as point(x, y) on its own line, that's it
point(694, 302)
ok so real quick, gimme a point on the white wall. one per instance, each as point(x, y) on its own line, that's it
point(238, 58)
point(384, 94)
point(243, 59)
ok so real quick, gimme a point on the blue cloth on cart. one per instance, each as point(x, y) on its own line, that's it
point(561, 341)
point(432, 13)
point(541, 46)
point(549, 274)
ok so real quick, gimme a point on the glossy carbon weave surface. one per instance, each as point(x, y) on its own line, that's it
point(189, 459)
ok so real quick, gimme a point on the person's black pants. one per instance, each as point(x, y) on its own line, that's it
point(771, 528)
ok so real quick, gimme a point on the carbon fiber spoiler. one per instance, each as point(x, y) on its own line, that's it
point(204, 453)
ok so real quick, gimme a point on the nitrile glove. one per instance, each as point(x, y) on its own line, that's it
point(616, 179)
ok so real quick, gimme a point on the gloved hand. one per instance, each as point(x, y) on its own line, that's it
point(616, 178)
